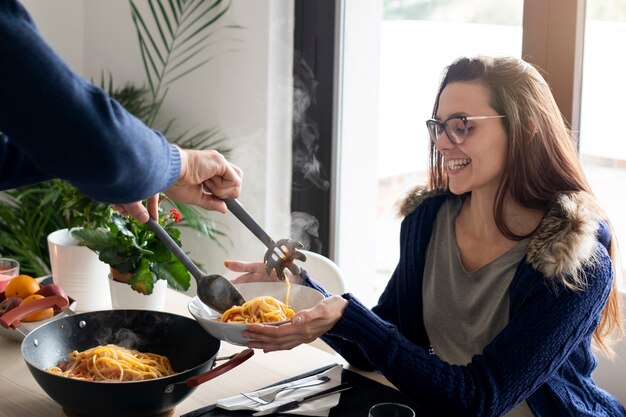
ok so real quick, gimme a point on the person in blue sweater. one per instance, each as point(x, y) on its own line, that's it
point(55, 124)
point(506, 274)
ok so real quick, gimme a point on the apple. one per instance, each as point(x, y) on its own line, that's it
point(52, 289)
point(9, 304)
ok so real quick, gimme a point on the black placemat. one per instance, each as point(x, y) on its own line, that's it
point(353, 403)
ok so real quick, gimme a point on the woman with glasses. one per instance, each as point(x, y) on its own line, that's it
point(506, 276)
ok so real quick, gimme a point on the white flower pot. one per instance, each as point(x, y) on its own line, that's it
point(79, 272)
point(125, 298)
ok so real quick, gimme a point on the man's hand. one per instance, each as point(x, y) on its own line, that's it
point(138, 211)
point(201, 170)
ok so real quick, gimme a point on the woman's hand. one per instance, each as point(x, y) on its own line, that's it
point(306, 326)
point(256, 272)
point(252, 272)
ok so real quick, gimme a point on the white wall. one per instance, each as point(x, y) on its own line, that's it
point(62, 24)
point(246, 93)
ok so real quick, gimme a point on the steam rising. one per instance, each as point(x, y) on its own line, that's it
point(115, 328)
point(307, 168)
point(305, 229)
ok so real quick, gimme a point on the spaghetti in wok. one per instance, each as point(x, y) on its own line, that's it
point(113, 363)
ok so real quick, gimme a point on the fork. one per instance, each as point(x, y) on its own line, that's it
point(270, 396)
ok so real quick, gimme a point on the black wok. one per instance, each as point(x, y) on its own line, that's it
point(190, 349)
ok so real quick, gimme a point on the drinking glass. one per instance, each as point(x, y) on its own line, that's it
point(9, 268)
point(391, 410)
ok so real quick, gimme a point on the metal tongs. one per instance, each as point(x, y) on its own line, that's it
point(279, 255)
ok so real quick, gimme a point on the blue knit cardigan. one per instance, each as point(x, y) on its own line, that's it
point(542, 356)
point(55, 124)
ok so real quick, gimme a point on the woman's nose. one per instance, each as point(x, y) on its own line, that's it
point(444, 142)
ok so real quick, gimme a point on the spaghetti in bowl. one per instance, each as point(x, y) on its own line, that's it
point(300, 298)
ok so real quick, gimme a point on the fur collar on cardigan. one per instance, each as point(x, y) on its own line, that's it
point(564, 242)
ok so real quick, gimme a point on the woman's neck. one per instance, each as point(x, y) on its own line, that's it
point(477, 217)
point(477, 235)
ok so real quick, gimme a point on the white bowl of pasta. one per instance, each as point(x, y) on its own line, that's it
point(265, 302)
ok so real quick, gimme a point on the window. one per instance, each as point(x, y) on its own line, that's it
point(602, 147)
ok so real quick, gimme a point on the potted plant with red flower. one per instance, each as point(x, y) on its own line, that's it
point(135, 254)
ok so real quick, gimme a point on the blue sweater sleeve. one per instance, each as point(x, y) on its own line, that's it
point(56, 124)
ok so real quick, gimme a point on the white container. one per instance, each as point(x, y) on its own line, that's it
point(79, 272)
point(123, 297)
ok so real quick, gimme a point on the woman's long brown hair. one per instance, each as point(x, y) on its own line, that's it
point(542, 160)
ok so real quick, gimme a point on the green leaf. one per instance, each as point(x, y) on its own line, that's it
point(143, 279)
point(174, 272)
point(164, 18)
point(117, 257)
point(95, 239)
point(190, 21)
point(175, 10)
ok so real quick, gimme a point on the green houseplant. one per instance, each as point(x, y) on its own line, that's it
point(135, 254)
point(28, 213)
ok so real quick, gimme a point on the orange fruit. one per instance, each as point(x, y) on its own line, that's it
point(21, 286)
point(40, 315)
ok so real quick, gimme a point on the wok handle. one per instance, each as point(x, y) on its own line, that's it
point(234, 361)
point(11, 319)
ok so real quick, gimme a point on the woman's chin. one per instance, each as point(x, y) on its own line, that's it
point(457, 189)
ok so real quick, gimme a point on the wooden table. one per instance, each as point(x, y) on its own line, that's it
point(21, 396)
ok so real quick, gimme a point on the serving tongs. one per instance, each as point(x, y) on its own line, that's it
point(215, 291)
point(279, 255)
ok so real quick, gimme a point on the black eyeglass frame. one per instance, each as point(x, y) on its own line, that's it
point(432, 124)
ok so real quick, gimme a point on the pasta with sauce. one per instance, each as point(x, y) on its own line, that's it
point(113, 363)
point(262, 309)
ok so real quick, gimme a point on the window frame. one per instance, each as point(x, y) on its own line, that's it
point(315, 38)
point(553, 39)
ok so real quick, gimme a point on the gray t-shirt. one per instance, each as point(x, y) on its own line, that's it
point(464, 311)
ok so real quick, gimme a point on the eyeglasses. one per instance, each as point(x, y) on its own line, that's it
point(457, 128)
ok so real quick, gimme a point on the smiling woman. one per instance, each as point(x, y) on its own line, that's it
point(505, 276)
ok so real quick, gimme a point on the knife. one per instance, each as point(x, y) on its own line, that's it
point(297, 403)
